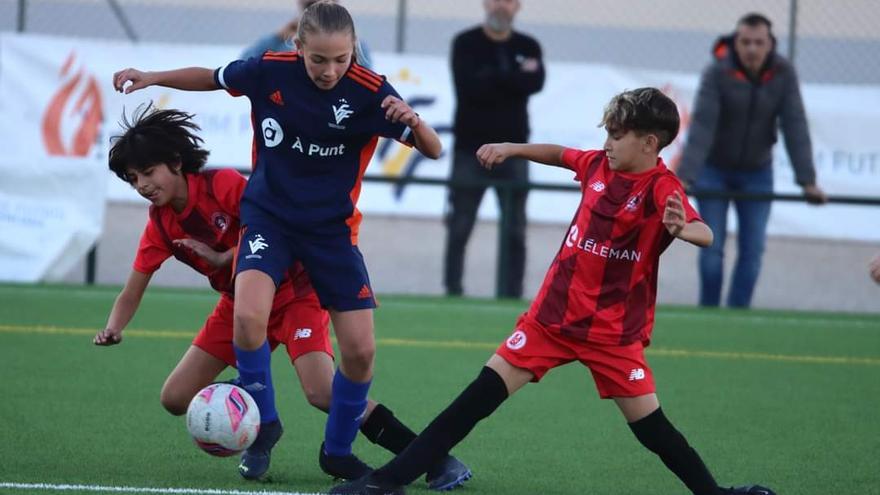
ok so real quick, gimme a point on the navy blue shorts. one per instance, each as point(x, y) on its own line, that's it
point(334, 265)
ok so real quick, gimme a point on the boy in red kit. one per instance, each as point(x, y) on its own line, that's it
point(596, 305)
point(195, 217)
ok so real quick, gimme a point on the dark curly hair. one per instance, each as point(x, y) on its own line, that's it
point(154, 136)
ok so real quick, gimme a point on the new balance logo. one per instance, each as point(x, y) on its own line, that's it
point(276, 98)
point(302, 333)
point(636, 374)
point(365, 293)
point(598, 186)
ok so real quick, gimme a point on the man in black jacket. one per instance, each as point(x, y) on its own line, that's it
point(743, 93)
point(495, 70)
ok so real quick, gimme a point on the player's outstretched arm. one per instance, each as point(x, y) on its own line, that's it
point(674, 219)
point(124, 308)
point(493, 154)
point(189, 79)
point(426, 139)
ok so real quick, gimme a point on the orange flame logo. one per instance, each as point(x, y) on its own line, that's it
point(86, 110)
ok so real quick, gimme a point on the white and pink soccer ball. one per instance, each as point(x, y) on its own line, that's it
point(223, 419)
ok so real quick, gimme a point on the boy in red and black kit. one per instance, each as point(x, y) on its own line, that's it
point(195, 217)
point(596, 305)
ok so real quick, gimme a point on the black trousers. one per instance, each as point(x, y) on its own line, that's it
point(464, 203)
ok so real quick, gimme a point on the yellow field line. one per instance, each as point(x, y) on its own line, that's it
point(488, 346)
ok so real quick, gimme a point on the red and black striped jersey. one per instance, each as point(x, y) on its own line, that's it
point(602, 285)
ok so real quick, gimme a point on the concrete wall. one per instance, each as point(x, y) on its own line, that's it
point(405, 256)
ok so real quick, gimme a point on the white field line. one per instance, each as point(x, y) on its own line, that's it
point(489, 306)
point(485, 346)
point(135, 489)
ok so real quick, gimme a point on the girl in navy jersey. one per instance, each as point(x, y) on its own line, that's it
point(596, 305)
point(317, 118)
point(194, 217)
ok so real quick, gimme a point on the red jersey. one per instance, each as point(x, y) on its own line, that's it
point(602, 285)
point(211, 216)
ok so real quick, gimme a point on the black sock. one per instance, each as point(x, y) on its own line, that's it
point(385, 430)
point(476, 402)
point(660, 437)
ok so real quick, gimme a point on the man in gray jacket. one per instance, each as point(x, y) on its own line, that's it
point(743, 93)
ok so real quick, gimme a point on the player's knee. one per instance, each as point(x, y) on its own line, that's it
point(250, 328)
point(173, 402)
point(358, 359)
point(319, 399)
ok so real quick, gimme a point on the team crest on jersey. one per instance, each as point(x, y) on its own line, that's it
point(598, 186)
point(341, 111)
point(633, 202)
point(517, 340)
point(220, 221)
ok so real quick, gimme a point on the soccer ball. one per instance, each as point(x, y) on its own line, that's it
point(223, 419)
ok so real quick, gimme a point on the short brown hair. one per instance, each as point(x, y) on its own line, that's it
point(643, 111)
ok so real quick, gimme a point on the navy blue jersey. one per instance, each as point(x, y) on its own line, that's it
point(311, 146)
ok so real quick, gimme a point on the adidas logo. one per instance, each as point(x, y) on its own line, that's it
point(365, 292)
point(636, 374)
point(276, 98)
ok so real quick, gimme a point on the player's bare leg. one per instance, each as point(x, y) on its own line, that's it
point(514, 378)
point(357, 344)
point(254, 296)
point(195, 371)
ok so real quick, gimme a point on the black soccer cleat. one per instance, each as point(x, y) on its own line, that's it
point(448, 474)
point(749, 490)
point(255, 460)
point(342, 467)
point(367, 485)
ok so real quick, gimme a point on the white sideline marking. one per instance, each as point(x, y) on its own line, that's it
point(490, 306)
point(137, 489)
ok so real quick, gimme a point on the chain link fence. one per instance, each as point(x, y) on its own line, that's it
point(831, 41)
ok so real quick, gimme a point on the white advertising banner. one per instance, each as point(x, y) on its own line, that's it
point(51, 213)
point(58, 94)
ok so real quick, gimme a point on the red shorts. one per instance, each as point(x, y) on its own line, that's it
point(619, 371)
point(297, 322)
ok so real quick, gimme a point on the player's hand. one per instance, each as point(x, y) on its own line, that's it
point(673, 214)
point(529, 64)
point(874, 267)
point(138, 80)
point(108, 337)
point(397, 110)
point(493, 154)
point(214, 258)
point(815, 195)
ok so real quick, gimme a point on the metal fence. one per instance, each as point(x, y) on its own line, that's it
point(830, 41)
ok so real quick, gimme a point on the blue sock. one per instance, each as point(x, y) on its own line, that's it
point(255, 374)
point(347, 408)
